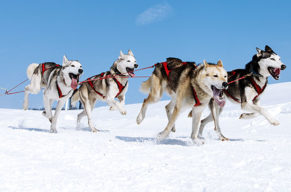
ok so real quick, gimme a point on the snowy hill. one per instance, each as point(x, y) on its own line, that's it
point(126, 157)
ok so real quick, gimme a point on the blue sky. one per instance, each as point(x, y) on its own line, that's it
point(95, 31)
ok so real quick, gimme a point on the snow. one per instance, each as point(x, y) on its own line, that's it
point(126, 157)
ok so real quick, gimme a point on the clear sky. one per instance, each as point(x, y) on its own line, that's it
point(95, 31)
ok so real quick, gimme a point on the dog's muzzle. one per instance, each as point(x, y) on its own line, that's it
point(135, 65)
point(225, 85)
point(80, 71)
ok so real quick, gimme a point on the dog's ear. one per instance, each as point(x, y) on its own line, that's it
point(219, 63)
point(268, 49)
point(259, 52)
point(65, 60)
point(130, 52)
point(121, 54)
point(205, 63)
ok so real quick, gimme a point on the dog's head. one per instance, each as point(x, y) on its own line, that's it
point(126, 63)
point(72, 71)
point(215, 78)
point(269, 63)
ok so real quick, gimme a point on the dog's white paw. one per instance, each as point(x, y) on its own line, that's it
point(52, 130)
point(139, 118)
point(94, 130)
point(25, 106)
point(123, 112)
point(275, 122)
point(112, 108)
point(198, 141)
point(162, 135)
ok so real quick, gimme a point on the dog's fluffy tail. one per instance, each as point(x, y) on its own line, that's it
point(30, 70)
point(146, 85)
point(75, 97)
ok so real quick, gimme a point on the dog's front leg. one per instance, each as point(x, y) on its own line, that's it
point(121, 99)
point(48, 108)
point(115, 104)
point(60, 104)
point(256, 108)
point(215, 111)
point(196, 116)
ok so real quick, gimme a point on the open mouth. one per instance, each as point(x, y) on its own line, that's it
point(75, 80)
point(130, 71)
point(218, 96)
point(275, 72)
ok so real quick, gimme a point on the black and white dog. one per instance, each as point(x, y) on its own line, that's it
point(58, 82)
point(247, 91)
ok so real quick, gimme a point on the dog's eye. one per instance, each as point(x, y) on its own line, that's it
point(215, 75)
point(225, 76)
point(72, 65)
point(273, 59)
point(128, 60)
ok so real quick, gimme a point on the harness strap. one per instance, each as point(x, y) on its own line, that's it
point(258, 89)
point(59, 90)
point(233, 98)
point(43, 69)
point(120, 86)
point(92, 86)
point(165, 65)
point(197, 101)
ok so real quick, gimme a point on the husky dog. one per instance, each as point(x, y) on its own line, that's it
point(187, 85)
point(58, 82)
point(106, 87)
point(247, 91)
point(163, 79)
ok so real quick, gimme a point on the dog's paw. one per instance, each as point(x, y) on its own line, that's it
point(112, 108)
point(52, 130)
point(162, 135)
point(94, 130)
point(123, 112)
point(223, 138)
point(198, 141)
point(275, 122)
point(139, 119)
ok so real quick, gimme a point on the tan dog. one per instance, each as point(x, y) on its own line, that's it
point(195, 89)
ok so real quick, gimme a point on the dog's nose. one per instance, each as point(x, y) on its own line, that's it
point(283, 67)
point(80, 71)
point(225, 84)
point(135, 65)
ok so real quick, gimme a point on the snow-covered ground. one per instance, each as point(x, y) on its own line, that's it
point(126, 157)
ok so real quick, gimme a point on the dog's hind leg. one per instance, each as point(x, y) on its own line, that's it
point(165, 133)
point(155, 94)
point(169, 110)
point(33, 87)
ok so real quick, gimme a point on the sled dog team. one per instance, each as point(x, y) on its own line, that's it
point(191, 86)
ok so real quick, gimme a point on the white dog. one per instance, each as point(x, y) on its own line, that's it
point(58, 82)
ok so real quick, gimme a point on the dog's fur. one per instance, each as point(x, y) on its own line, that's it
point(159, 82)
point(121, 69)
point(205, 79)
point(263, 64)
point(66, 76)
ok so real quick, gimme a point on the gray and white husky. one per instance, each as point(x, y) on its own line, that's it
point(58, 82)
point(247, 91)
point(106, 87)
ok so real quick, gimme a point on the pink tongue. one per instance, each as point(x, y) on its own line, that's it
point(277, 71)
point(74, 83)
point(132, 74)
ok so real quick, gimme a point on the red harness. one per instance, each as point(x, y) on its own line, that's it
point(120, 86)
point(59, 90)
point(43, 69)
point(258, 89)
point(197, 101)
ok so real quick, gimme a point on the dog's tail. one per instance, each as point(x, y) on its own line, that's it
point(75, 97)
point(30, 70)
point(146, 85)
